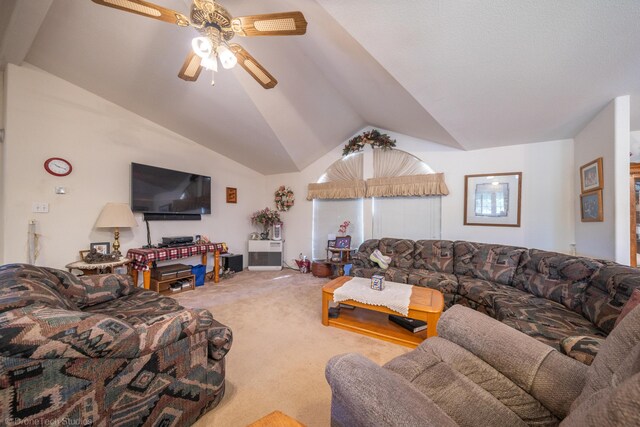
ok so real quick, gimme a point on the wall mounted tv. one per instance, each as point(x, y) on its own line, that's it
point(168, 194)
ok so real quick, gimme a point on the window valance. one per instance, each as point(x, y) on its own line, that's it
point(411, 185)
point(354, 189)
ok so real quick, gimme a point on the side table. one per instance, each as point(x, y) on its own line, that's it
point(339, 257)
point(97, 268)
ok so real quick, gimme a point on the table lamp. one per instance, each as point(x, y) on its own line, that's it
point(116, 215)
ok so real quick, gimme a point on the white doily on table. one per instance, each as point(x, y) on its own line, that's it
point(395, 296)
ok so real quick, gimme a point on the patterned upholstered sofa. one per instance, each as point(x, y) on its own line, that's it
point(568, 302)
point(96, 350)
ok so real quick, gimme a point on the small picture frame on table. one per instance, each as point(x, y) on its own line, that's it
point(331, 243)
point(103, 248)
point(343, 242)
point(83, 253)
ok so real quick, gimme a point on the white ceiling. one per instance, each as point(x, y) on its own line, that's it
point(466, 74)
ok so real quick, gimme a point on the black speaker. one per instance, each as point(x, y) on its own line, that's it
point(231, 261)
point(171, 217)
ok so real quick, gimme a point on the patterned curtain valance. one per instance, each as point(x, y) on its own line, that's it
point(354, 189)
point(411, 185)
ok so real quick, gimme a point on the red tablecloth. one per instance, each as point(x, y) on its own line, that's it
point(142, 257)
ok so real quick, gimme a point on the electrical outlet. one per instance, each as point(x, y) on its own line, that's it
point(40, 207)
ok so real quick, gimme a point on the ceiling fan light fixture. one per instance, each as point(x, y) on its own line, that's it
point(227, 58)
point(202, 47)
point(210, 63)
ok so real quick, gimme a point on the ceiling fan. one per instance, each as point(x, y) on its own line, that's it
point(217, 27)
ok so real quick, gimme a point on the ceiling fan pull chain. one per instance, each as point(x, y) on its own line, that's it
point(213, 73)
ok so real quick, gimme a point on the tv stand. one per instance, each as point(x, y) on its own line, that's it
point(142, 259)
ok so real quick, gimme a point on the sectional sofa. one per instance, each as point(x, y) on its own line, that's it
point(96, 350)
point(568, 302)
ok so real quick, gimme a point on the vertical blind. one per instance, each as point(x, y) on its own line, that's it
point(328, 215)
point(412, 218)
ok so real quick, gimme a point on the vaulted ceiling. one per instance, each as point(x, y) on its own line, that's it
point(462, 73)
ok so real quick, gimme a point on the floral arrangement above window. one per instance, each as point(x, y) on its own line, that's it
point(284, 198)
point(373, 137)
point(266, 217)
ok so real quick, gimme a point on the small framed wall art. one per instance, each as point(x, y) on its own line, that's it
point(591, 177)
point(591, 206)
point(232, 195)
point(493, 199)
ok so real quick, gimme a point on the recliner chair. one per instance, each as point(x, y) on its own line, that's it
point(481, 372)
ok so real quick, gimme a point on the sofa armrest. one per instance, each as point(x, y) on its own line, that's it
point(361, 260)
point(365, 394)
point(555, 380)
point(41, 332)
point(220, 339)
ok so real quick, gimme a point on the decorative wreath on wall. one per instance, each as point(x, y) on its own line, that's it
point(284, 198)
point(373, 137)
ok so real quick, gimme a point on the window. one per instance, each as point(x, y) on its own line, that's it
point(328, 214)
point(412, 218)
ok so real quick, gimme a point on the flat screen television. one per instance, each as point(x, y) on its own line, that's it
point(166, 191)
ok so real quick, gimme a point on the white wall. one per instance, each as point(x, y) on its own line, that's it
point(49, 117)
point(547, 220)
point(606, 136)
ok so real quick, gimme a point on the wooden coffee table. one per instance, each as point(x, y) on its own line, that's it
point(425, 304)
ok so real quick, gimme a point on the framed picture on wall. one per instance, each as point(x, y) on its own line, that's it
point(232, 195)
point(591, 177)
point(591, 206)
point(493, 199)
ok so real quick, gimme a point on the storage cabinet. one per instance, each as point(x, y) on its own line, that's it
point(164, 286)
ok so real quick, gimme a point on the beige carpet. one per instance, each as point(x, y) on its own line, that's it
point(280, 347)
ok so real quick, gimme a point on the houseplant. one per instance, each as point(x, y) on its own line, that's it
point(265, 217)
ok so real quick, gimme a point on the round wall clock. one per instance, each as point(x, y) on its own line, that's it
point(57, 166)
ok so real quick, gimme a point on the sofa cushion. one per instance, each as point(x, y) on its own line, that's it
point(496, 263)
point(443, 282)
point(140, 306)
point(433, 255)
point(542, 319)
point(633, 302)
point(89, 290)
point(400, 251)
point(558, 277)
point(449, 374)
point(583, 348)
point(608, 292)
point(484, 292)
point(22, 285)
point(398, 275)
point(366, 272)
point(361, 257)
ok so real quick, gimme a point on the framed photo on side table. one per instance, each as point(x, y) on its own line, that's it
point(101, 247)
point(343, 242)
point(591, 177)
point(591, 206)
point(493, 199)
point(83, 254)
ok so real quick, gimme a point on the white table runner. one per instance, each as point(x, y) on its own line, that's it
point(395, 296)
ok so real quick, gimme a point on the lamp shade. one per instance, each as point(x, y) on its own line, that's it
point(116, 215)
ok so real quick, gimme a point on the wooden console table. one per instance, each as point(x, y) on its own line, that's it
point(143, 259)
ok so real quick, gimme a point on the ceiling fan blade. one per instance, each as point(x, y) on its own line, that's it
point(191, 68)
point(253, 67)
point(271, 24)
point(147, 9)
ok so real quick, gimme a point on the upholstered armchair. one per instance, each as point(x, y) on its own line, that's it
point(481, 372)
